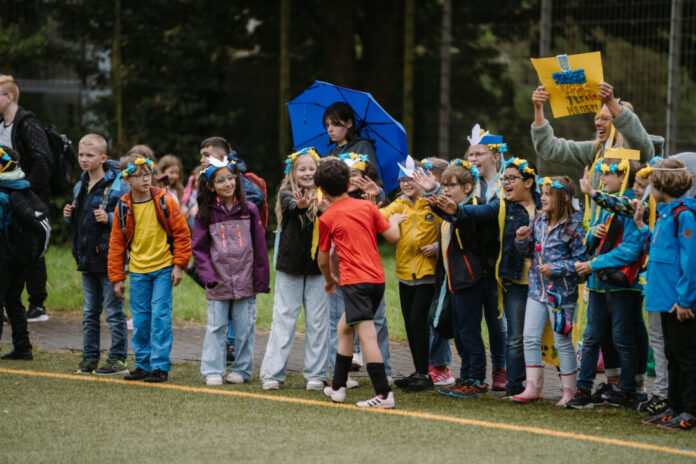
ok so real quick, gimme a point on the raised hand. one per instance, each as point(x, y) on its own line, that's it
point(302, 199)
point(606, 92)
point(540, 96)
point(424, 179)
point(366, 184)
point(639, 214)
point(445, 203)
point(586, 183)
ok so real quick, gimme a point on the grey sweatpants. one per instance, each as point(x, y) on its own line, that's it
point(658, 345)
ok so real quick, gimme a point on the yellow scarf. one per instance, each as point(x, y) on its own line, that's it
point(315, 230)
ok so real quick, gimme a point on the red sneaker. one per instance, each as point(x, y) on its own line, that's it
point(441, 376)
point(499, 382)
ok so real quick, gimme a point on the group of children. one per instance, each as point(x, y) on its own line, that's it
point(481, 237)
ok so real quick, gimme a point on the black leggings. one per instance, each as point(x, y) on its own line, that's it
point(415, 303)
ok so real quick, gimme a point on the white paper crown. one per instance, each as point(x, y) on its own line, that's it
point(476, 135)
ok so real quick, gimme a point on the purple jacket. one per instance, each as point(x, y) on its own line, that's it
point(231, 252)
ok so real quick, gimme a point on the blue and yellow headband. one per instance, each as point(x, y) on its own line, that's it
point(612, 168)
point(554, 184)
point(8, 163)
point(290, 160)
point(216, 164)
point(428, 165)
point(466, 165)
point(130, 169)
point(522, 165)
point(354, 160)
point(646, 171)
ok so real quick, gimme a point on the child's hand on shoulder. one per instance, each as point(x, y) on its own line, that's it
point(586, 184)
point(396, 219)
point(101, 216)
point(683, 313)
point(302, 199)
point(583, 268)
point(68, 210)
point(523, 233)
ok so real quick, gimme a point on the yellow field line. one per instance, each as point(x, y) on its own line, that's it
point(394, 412)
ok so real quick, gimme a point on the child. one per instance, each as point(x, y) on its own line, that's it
point(416, 256)
point(352, 225)
point(613, 317)
point(229, 248)
point(12, 271)
point(339, 120)
point(462, 259)
point(671, 287)
point(190, 196)
point(485, 152)
point(554, 240)
point(170, 170)
point(298, 280)
point(150, 229)
point(90, 216)
point(515, 209)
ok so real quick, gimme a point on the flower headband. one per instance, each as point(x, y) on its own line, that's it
point(557, 185)
point(290, 160)
point(130, 169)
point(354, 160)
point(466, 165)
point(646, 171)
point(522, 165)
point(7, 161)
point(216, 164)
point(428, 165)
point(607, 168)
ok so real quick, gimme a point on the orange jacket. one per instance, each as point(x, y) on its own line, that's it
point(172, 222)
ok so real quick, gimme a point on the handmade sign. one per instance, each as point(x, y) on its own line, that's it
point(573, 82)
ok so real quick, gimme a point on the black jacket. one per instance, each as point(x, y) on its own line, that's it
point(35, 156)
point(295, 245)
point(361, 146)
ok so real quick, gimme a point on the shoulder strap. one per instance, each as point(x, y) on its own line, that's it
point(675, 214)
point(122, 209)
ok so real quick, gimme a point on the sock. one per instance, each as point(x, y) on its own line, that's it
point(378, 376)
point(341, 371)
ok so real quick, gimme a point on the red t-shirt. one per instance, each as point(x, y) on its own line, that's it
point(353, 226)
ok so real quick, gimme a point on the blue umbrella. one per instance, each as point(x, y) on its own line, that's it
point(306, 118)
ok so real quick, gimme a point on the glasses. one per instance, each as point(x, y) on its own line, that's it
point(405, 180)
point(141, 176)
point(449, 186)
point(509, 179)
point(222, 180)
point(603, 118)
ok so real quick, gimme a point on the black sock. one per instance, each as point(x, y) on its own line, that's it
point(341, 371)
point(379, 378)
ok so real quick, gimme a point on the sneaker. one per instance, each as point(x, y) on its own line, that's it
point(112, 367)
point(36, 314)
point(683, 421)
point(474, 389)
point(18, 355)
point(629, 400)
point(404, 381)
point(642, 396)
point(607, 394)
point(660, 418)
point(129, 324)
point(441, 377)
point(234, 377)
point(357, 363)
point(230, 354)
point(157, 376)
point(337, 396)
point(498, 379)
point(378, 402)
point(213, 380)
point(86, 367)
point(137, 374)
point(418, 383)
point(270, 385)
point(654, 406)
point(352, 383)
point(581, 400)
point(315, 385)
point(455, 390)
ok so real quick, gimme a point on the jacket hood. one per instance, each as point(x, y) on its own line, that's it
point(241, 165)
point(687, 201)
point(112, 168)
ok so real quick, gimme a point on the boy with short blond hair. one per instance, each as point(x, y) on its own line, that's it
point(90, 216)
point(150, 227)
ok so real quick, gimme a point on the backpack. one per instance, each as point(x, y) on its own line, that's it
point(260, 183)
point(620, 277)
point(675, 215)
point(64, 159)
point(29, 231)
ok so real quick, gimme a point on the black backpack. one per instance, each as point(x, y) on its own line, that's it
point(29, 231)
point(64, 159)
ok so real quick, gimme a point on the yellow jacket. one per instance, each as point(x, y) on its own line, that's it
point(420, 229)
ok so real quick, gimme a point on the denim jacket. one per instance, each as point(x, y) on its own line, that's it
point(561, 247)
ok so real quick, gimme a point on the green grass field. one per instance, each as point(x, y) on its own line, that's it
point(64, 420)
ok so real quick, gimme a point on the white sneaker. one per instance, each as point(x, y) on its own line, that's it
point(357, 363)
point(315, 385)
point(213, 380)
point(234, 377)
point(337, 396)
point(270, 385)
point(129, 324)
point(352, 383)
point(377, 402)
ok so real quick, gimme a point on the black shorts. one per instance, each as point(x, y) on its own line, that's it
point(361, 301)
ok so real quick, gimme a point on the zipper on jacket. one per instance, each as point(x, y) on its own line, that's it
point(413, 240)
point(239, 236)
point(468, 267)
point(224, 239)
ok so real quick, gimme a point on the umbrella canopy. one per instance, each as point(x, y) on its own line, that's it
point(306, 118)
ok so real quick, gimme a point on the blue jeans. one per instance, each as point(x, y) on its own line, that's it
point(230, 331)
point(626, 306)
point(214, 355)
point(336, 310)
point(291, 293)
point(98, 291)
point(440, 351)
point(536, 315)
point(497, 329)
point(151, 307)
point(467, 312)
point(514, 304)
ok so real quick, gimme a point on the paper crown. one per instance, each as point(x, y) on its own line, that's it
point(408, 168)
point(216, 164)
point(622, 153)
point(354, 160)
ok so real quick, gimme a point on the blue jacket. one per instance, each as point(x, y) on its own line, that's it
point(13, 180)
point(516, 216)
point(626, 253)
point(252, 192)
point(671, 278)
point(90, 239)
